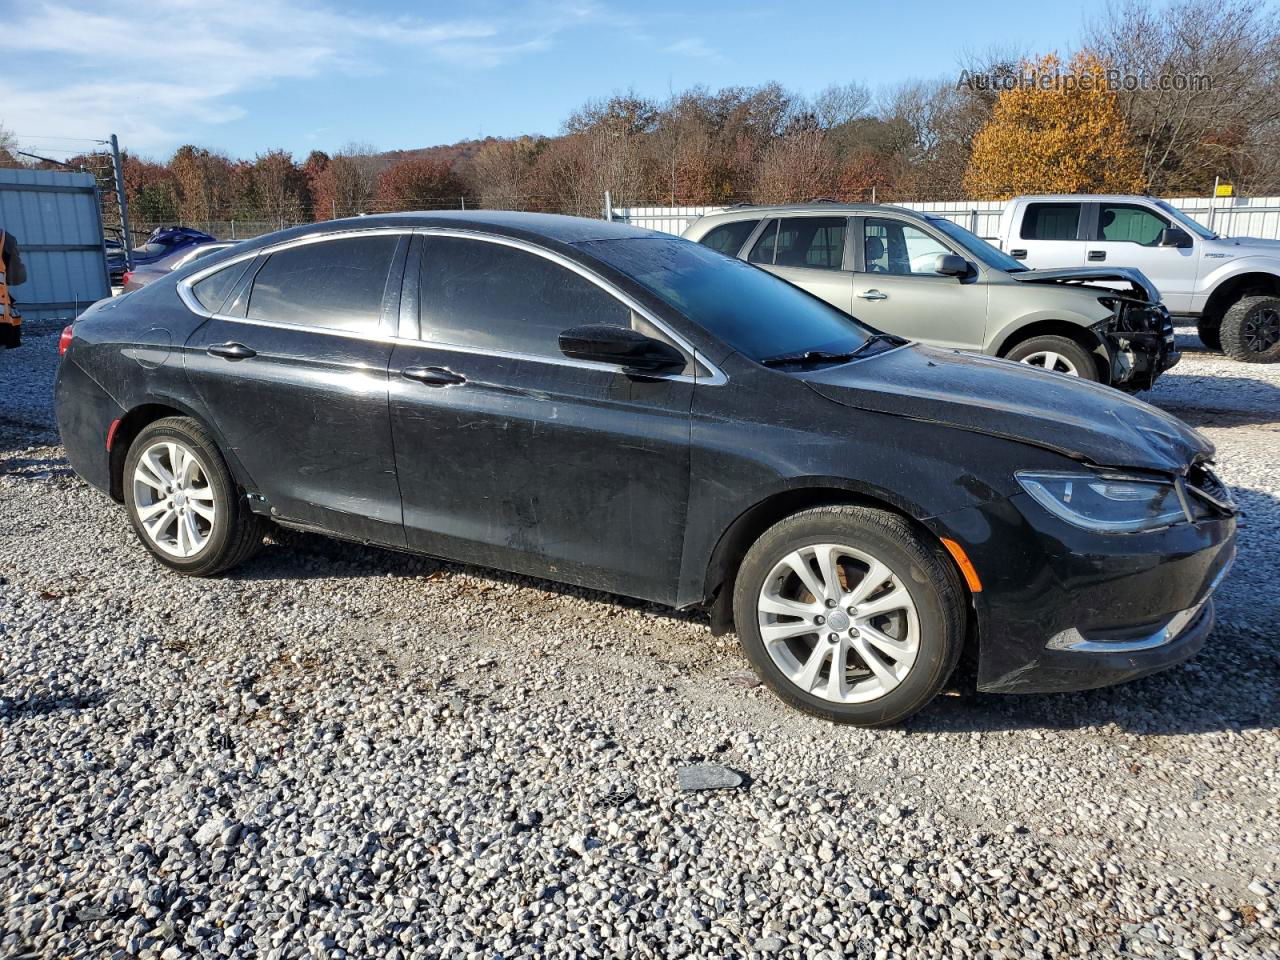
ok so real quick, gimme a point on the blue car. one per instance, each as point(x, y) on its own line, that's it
point(162, 242)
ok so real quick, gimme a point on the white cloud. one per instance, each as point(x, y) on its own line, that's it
point(160, 72)
point(694, 47)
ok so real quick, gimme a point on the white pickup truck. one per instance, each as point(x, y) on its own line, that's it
point(1229, 285)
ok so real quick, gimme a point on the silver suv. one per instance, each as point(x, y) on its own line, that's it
point(926, 278)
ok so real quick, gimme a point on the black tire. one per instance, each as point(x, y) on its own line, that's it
point(1251, 330)
point(931, 581)
point(1210, 332)
point(1084, 362)
point(236, 532)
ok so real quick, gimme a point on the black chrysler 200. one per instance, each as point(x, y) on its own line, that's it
point(633, 412)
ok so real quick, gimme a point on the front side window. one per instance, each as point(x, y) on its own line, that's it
point(335, 284)
point(891, 246)
point(756, 313)
point(477, 293)
point(1127, 222)
point(1051, 221)
point(729, 237)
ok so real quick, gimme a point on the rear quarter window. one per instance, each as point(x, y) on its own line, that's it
point(213, 290)
point(728, 238)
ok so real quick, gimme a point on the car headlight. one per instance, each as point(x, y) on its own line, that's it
point(1104, 504)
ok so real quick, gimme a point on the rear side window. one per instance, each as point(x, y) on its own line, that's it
point(815, 242)
point(336, 284)
point(729, 237)
point(213, 290)
point(1129, 222)
point(476, 293)
point(1051, 221)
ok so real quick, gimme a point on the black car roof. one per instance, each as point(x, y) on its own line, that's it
point(530, 226)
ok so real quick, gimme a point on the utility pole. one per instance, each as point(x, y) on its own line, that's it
point(122, 202)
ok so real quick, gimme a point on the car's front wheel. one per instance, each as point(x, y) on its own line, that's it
point(846, 613)
point(183, 502)
point(1251, 330)
point(1059, 354)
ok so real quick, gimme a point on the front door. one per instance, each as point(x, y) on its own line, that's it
point(513, 456)
point(896, 289)
point(1128, 235)
point(297, 384)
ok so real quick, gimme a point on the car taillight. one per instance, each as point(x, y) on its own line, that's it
point(64, 341)
point(128, 275)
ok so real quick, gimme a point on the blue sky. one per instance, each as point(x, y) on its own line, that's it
point(248, 75)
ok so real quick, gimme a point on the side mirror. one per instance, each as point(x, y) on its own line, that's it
point(605, 343)
point(950, 265)
point(1174, 237)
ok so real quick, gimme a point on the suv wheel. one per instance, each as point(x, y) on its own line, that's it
point(183, 502)
point(1251, 330)
point(846, 614)
point(1059, 354)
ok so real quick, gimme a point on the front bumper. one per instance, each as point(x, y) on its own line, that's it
point(1140, 344)
point(1063, 608)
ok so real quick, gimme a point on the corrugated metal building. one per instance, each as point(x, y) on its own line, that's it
point(58, 223)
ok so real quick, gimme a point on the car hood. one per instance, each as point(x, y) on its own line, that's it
point(1139, 285)
point(1251, 245)
point(1000, 398)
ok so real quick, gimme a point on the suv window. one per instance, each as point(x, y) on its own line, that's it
point(477, 293)
point(1129, 222)
point(814, 242)
point(729, 237)
point(1051, 221)
point(337, 284)
point(891, 246)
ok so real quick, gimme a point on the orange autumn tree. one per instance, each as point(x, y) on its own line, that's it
point(1069, 138)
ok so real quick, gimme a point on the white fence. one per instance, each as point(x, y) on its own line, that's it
point(1231, 217)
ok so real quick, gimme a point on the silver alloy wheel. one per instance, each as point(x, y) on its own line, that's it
point(1050, 360)
point(839, 623)
point(174, 498)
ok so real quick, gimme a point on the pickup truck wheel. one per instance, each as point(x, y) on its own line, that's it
point(1058, 354)
point(1251, 330)
point(1210, 332)
point(846, 614)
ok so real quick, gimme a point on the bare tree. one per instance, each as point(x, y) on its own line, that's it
point(1204, 99)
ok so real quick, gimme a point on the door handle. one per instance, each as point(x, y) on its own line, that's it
point(873, 295)
point(433, 376)
point(1097, 254)
point(1019, 254)
point(231, 351)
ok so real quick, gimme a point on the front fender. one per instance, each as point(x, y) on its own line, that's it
point(1226, 270)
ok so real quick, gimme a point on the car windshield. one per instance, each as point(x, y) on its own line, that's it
point(1204, 233)
point(753, 311)
point(990, 255)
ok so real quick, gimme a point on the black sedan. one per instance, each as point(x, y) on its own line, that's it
point(632, 412)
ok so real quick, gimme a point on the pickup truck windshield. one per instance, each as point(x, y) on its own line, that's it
point(972, 243)
point(1204, 233)
point(753, 311)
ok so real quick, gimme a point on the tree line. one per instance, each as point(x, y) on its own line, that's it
point(985, 133)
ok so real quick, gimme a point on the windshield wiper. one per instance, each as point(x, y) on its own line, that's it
point(824, 356)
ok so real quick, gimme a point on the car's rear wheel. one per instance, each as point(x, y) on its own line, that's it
point(1251, 330)
point(183, 502)
point(1059, 354)
point(847, 614)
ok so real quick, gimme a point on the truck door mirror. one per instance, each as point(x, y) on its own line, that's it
point(1174, 237)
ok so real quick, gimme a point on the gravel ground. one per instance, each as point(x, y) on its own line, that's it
point(329, 753)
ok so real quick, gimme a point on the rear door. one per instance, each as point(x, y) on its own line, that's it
point(895, 287)
point(1050, 234)
point(292, 368)
point(810, 252)
point(510, 454)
